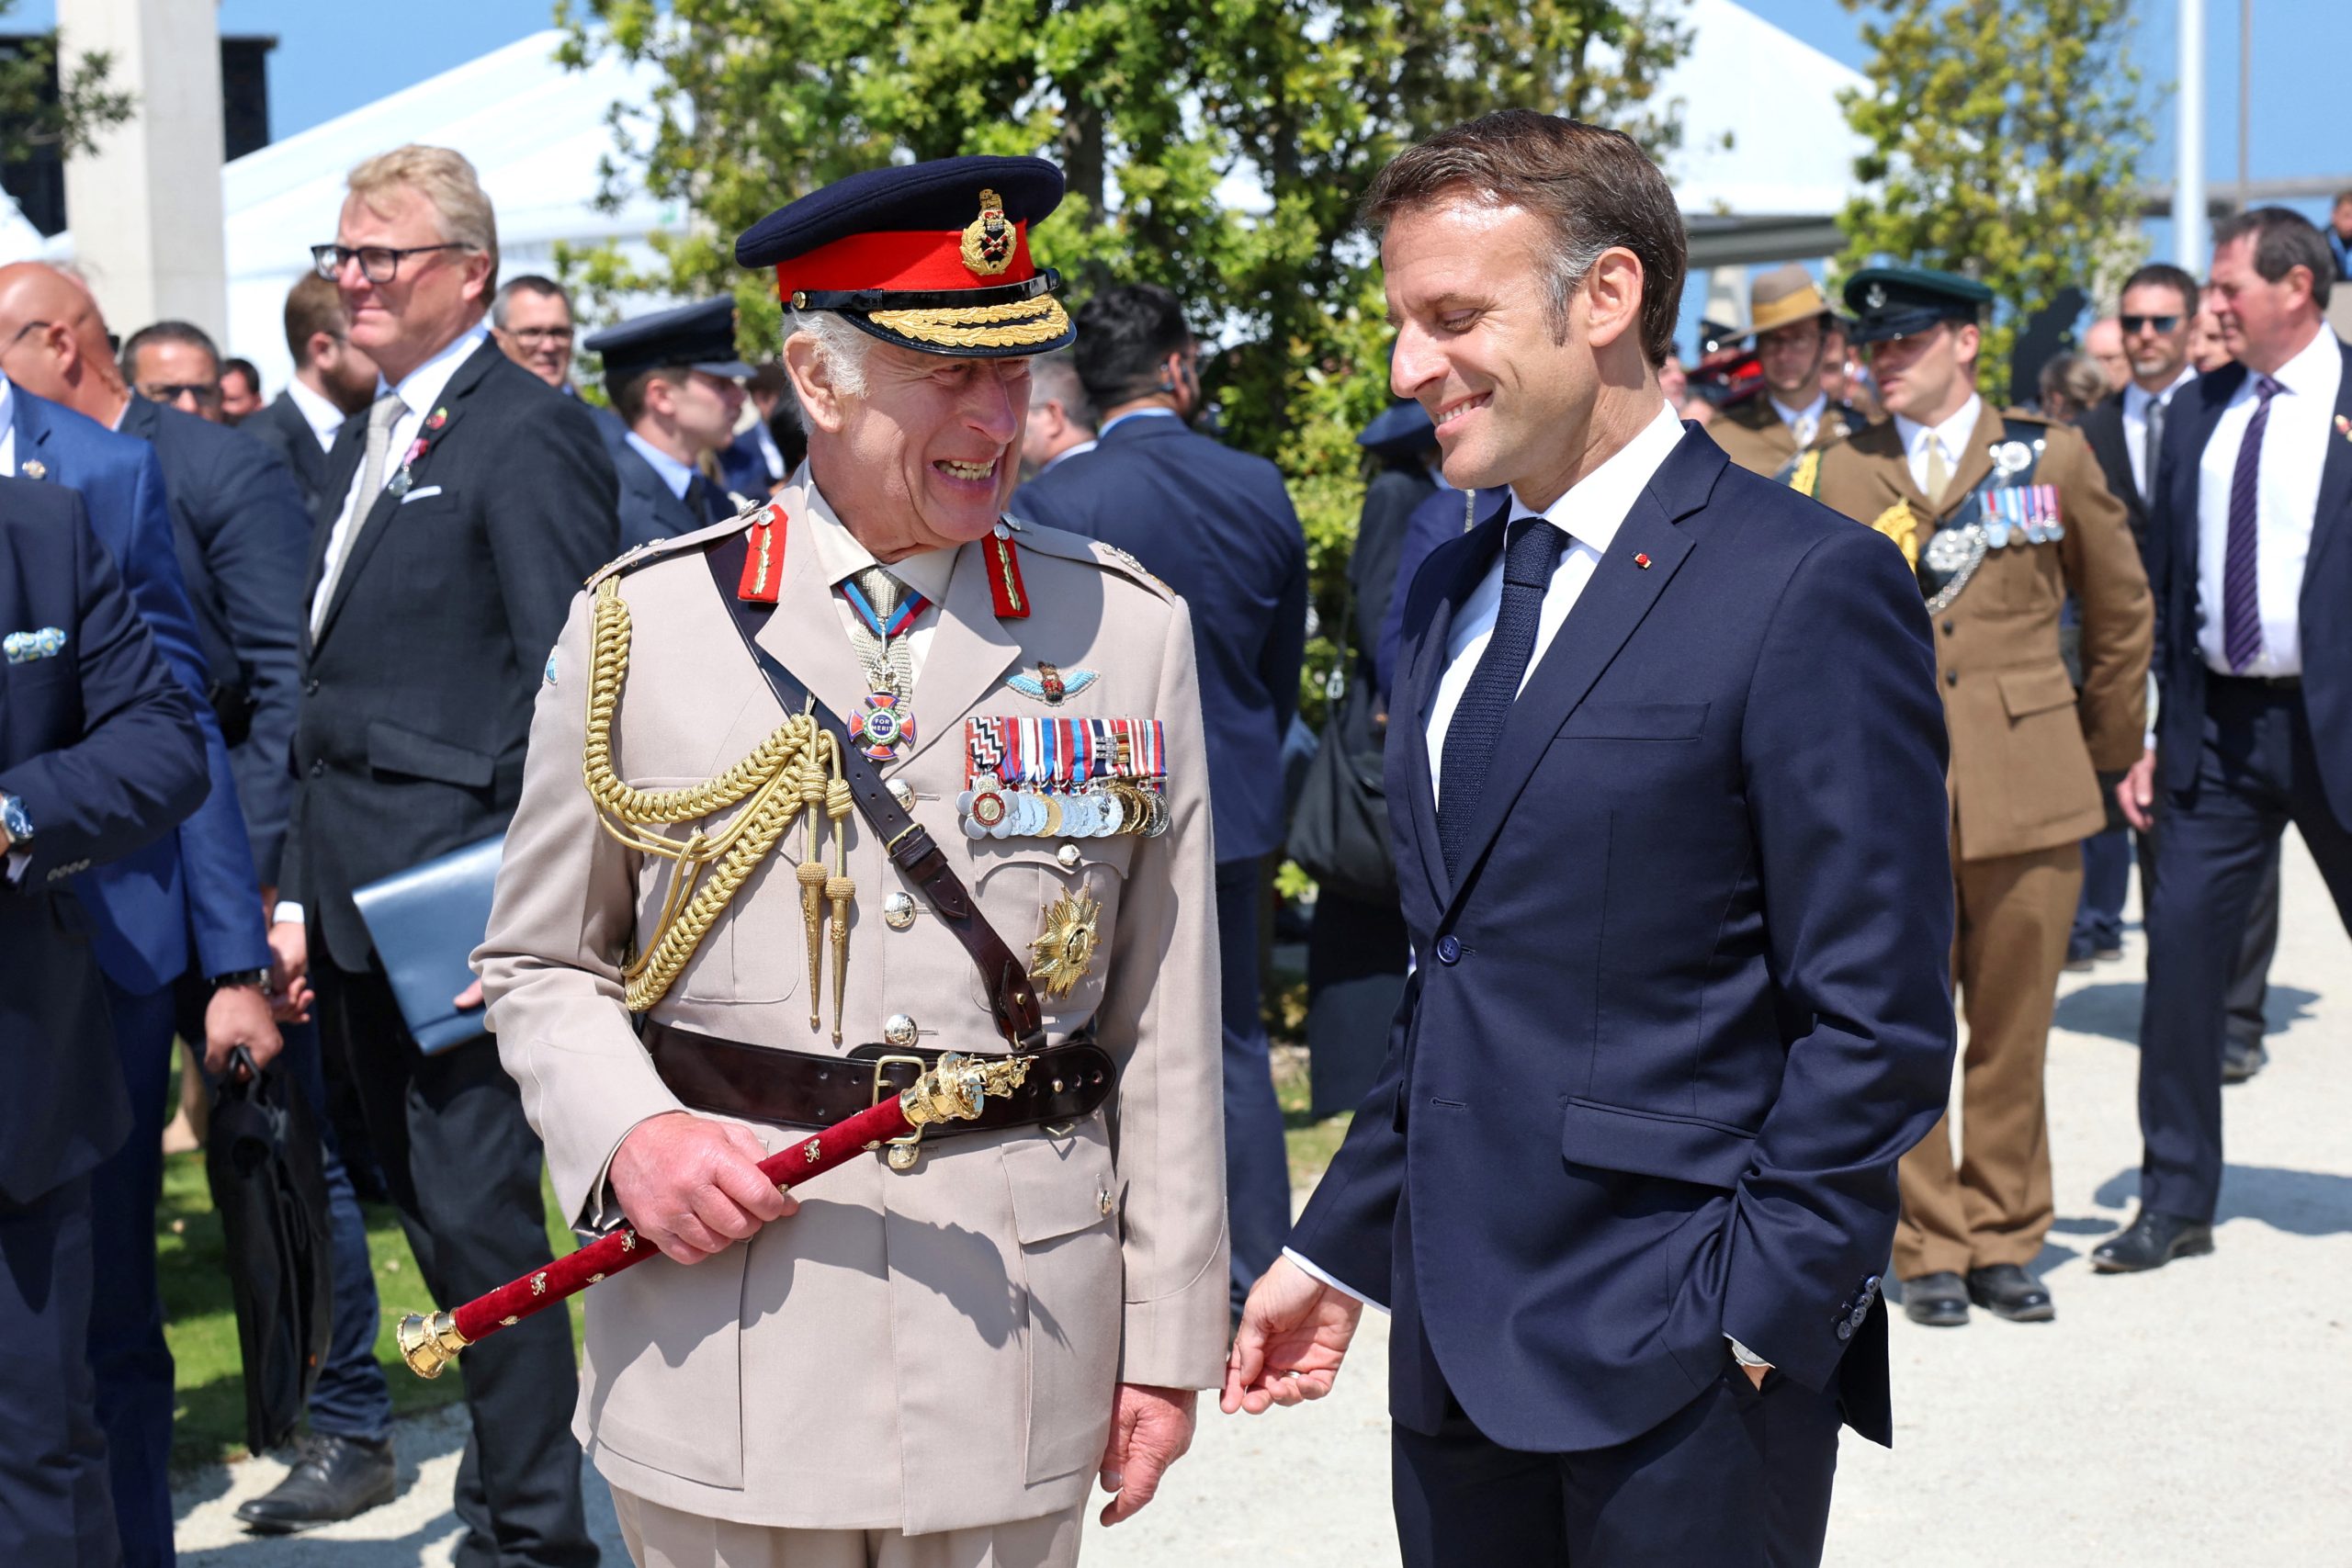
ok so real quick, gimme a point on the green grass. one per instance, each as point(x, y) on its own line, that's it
point(200, 1320)
point(1312, 1142)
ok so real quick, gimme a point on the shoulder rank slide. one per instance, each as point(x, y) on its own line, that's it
point(764, 562)
point(1006, 594)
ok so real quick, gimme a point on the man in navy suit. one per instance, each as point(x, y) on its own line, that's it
point(190, 902)
point(1217, 526)
point(100, 757)
point(2252, 569)
point(674, 377)
point(1667, 767)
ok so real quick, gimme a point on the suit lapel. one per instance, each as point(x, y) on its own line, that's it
point(1612, 604)
point(970, 649)
point(1418, 690)
point(1976, 462)
point(2335, 472)
point(2217, 390)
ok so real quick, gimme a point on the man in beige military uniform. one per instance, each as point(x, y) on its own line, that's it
point(923, 1365)
point(2006, 517)
point(1789, 414)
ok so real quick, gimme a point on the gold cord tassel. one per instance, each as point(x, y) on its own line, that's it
point(840, 889)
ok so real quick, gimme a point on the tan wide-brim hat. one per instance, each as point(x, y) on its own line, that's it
point(1783, 297)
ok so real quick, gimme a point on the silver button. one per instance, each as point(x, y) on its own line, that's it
point(899, 1033)
point(1102, 1199)
point(903, 793)
point(899, 910)
point(1069, 855)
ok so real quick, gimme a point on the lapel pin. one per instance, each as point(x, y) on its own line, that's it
point(2343, 428)
point(1643, 561)
point(37, 469)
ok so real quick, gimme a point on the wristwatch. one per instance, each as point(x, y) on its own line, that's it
point(254, 977)
point(13, 817)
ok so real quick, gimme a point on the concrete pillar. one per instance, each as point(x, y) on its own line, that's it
point(145, 207)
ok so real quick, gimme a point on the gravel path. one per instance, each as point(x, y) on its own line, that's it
point(2197, 1415)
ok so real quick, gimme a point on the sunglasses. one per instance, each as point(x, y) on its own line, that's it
point(2134, 324)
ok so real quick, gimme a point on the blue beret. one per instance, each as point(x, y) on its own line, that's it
point(932, 256)
point(701, 335)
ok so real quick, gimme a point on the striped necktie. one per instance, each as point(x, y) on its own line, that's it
point(2241, 587)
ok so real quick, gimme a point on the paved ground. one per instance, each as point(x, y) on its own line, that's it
point(2198, 1415)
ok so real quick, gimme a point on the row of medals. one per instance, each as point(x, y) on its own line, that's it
point(992, 809)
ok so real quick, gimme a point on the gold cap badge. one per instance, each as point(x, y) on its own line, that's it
point(988, 239)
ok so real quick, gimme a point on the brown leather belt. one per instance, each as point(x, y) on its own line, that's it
point(760, 1083)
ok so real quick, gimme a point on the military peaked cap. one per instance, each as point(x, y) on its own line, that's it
point(1895, 301)
point(1401, 430)
point(929, 257)
point(700, 336)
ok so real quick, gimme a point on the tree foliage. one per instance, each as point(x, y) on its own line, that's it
point(35, 114)
point(1218, 147)
point(2005, 139)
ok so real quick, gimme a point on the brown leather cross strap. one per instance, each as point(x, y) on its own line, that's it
point(760, 1083)
point(907, 842)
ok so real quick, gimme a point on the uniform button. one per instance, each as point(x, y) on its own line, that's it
point(899, 1033)
point(1448, 951)
point(319, 769)
point(1069, 855)
point(899, 910)
point(1951, 677)
point(310, 688)
point(903, 793)
point(1102, 1200)
point(1844, 1331)
point(1947, 628)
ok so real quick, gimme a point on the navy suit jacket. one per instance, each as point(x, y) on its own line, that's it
point(196, 887)
point(101, 745)
point(282, 428)
point(244, 539)
point(1688, 1001)
point(648, 512)
point(1217, 526)
point(2323, 612)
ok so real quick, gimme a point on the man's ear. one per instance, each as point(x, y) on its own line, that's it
point(812, 378)
point(478, 280)
point(1612, 297)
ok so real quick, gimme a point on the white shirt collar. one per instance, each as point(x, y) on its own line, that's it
point(422, 387)
point(2137, 398)
point(674, 474)
point(1066, 454)
point(1951, 434)
point(1136, 413)
point(8, 402)
point(2315, 368)
point(1595, 507)
point(841, 556)
point(324, 419)
point(1812, 410)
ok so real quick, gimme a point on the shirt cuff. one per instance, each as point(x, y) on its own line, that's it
point(1307, 1265)
point(286, 913)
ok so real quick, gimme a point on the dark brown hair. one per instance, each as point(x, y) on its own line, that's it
point(2283, 241)
point(1596, 188)
point(313, 305)
point(2163, 275)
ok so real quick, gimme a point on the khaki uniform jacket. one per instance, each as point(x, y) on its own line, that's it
point(927, 1350)
point(1759, 440)
point(2024, 746)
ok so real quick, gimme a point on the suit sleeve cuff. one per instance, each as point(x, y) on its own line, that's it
point(1307, 1265)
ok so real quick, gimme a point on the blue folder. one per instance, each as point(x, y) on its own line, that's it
point(426, 922)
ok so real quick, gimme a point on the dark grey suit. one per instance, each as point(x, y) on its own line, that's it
point(282, 428)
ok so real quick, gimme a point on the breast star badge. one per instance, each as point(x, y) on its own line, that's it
point(1061, 954)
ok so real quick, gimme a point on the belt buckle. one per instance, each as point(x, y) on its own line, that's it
point(901, 1152)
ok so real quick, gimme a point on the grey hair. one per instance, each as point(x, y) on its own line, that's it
point(842, 346)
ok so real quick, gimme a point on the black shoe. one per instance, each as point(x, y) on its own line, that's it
point(1939, 1301)
point(2007, 1291)
point(2241, 1061)
point(2109, 955)
point(334, 1478)
point(2078, 964)
point(2151, 1241)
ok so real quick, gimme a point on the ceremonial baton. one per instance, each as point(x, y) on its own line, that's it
point(953, 1091)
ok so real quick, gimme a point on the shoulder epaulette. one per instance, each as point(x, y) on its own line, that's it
point(656, 549)
point(1068, 545)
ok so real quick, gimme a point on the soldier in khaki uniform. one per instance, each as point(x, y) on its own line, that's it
point(1789, 414)
point(926, 1360)
point(2005, 517)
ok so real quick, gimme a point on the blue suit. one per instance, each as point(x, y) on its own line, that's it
point(191, 896)
point(101, 746)
point(1687, 1004)
point(2237, 760)
point(648, 511)
point(1217, 525)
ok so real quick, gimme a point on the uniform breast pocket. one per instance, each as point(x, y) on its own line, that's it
point(1057, 907)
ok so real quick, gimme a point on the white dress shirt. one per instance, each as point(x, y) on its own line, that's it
point(325, 419)
point(420, 390)
point(7, 427)
point(1590, 514)
point(2294, 450)
point(1952, 436)
point(2136, 403)
point(1804, 423)
point(674, 474)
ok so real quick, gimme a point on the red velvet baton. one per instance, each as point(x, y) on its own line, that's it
point(953, 1090)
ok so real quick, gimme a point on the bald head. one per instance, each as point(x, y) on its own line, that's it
point(53, 341)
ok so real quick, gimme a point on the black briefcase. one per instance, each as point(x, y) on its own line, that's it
point(270, 1186)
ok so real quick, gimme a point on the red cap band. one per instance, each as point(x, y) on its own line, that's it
point(928, 259)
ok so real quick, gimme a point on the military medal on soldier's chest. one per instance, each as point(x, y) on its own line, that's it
point(884, 611)
point(1061, 954)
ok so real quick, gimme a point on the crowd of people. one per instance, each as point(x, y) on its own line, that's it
point(329, 636)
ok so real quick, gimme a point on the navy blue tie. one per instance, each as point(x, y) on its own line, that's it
point(1477, 726)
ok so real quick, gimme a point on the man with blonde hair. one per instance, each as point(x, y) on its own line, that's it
point(460, 514)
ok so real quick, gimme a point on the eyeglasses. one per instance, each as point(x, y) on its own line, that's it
point(377, 264)
point(532, 337)
point(2133, 325)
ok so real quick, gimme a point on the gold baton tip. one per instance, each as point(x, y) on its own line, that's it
point(958, 1085)
point(429, 1344)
